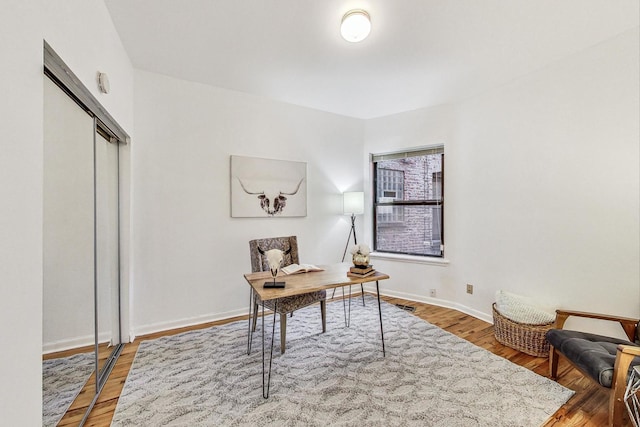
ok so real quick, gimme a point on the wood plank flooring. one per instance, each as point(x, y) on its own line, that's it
point(588, 407)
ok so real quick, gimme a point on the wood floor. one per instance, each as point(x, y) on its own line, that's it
point(588, 407)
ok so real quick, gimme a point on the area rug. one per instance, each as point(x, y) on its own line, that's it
point(62, 380)
point(429, 377)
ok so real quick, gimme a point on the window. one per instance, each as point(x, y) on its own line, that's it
point(390, 186)
point(408, 202)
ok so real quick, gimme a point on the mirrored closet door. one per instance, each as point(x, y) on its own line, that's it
point(68, 253)
point(81, 247)
point(107, 243)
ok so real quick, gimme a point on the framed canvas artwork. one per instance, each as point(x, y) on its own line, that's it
point(268, 188)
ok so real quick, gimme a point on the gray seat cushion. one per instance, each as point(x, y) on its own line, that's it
point(594, 355)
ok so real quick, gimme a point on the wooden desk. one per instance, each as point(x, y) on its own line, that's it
point(333, 276)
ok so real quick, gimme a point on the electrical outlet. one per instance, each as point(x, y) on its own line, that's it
point(432, 293)
point(469, 289)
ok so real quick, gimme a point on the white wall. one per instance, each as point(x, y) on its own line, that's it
point(559, 152)
point(21, 213)
point(189, 255)
point(82, 33)
point(541, 186)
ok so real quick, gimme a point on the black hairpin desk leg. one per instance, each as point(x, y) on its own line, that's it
point(349, 321)
point(380, 313)
point(265, 390)
point(250, 333)
point(344, 307)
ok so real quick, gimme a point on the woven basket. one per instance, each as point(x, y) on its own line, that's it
point(526, 338)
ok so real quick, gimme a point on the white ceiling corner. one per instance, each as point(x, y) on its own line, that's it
point(420, 53)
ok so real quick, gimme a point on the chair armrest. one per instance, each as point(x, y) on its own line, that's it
point(629, 349)
point(628, 324)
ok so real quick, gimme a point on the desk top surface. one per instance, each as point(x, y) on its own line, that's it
point(333, 276)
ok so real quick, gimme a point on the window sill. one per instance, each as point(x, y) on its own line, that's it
point(414, 259)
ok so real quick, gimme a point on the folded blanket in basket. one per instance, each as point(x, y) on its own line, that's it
point(522, 309)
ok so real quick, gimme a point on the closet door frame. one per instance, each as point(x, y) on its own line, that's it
point(56, 69)
point(105, 125)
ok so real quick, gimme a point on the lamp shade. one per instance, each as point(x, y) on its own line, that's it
point(353, 202)
point(355, 26)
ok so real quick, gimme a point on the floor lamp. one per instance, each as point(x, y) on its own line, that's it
point(352, 204)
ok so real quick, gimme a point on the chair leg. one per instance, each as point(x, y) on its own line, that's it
point(255, 316)
point(617, 408)
point(323, 314)
point(554, 356)
point(283, 332)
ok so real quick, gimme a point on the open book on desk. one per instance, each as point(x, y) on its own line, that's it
point(300, 268)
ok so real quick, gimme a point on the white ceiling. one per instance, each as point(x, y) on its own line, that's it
point(420, 53)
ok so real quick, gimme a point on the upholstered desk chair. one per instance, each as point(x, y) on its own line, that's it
point(607, 361)
point(287, 304)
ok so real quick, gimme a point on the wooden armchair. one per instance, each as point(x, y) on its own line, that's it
point(608, 361)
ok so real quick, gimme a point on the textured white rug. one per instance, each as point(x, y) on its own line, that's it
point(62, 380)
point(429, 377)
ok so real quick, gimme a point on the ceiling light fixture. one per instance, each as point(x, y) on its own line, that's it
point(355, 26)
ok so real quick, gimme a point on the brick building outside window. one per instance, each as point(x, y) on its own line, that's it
point(408, 202)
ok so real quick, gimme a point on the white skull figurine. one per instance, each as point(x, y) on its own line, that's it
point(274, 259)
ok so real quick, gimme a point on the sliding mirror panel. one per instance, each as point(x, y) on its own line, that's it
point(107, 254)
point(68, 252)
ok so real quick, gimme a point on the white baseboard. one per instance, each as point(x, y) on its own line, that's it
point(182, 323)
point(197, 320)
point(67, 344)
point(436, 301)
point(77, 342)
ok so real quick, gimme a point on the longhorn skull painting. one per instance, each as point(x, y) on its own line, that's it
point(267, 188)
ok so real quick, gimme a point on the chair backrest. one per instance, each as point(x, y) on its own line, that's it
point(259, 262)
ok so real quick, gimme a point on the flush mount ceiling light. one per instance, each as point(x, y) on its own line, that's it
point(355, 26)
